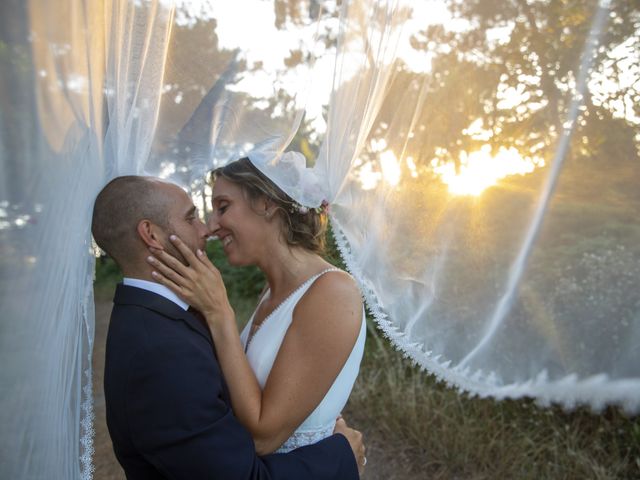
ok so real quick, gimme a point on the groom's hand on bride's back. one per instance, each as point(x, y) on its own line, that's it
point(355, 441)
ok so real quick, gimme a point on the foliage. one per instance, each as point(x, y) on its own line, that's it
point(107, 273)
point(107, 276)
point(509, 69)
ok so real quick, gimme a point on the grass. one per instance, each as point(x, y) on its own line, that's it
point(443, 434)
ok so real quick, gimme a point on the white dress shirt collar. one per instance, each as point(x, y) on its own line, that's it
point(156, 288)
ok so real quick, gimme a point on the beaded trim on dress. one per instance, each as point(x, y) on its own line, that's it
point(305, 437)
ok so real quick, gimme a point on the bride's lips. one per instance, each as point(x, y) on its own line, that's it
point(225, 239)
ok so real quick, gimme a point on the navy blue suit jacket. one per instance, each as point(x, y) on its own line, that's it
point(168, 410)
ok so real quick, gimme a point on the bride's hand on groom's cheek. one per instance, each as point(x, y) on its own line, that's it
point(199, 283)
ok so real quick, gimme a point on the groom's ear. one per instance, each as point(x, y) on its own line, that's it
point(150, 234)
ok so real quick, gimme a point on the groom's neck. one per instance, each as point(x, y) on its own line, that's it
point(141, 271)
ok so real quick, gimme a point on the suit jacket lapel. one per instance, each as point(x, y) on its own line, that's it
point(126, 295)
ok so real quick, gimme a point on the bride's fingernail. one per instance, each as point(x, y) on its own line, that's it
point(199, 252)
point(150, 259)
point(173, 238)
point(154, 274)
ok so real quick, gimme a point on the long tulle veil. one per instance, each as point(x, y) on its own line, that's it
point(481, 161)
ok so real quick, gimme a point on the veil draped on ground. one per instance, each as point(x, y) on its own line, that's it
point(481, 161)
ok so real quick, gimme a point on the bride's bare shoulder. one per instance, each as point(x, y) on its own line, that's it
point(337, 282)
point(333, 297)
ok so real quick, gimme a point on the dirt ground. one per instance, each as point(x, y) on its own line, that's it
point(381, 462)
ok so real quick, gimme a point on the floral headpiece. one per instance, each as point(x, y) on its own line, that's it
point(301, 209)
point(307, 186)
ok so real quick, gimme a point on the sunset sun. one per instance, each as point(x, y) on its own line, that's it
point(480, 170)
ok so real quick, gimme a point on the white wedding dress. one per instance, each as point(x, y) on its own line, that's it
point(263, 348)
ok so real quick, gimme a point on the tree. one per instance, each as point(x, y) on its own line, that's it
point(508, 69)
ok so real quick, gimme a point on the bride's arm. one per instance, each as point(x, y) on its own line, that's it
point(315, 348)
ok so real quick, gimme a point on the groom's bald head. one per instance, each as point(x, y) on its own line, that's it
point(118, 209)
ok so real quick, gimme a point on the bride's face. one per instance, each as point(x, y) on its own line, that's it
point(243, 229)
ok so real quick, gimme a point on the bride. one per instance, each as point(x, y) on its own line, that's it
point(292, 369)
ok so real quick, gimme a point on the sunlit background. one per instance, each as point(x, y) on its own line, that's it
point(491, 129)
point(489, 212)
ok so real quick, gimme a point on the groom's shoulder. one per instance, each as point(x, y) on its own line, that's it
point(143, 325)
point(142, 319)
point(145, 322)
point(141, 342)
point(132, 303)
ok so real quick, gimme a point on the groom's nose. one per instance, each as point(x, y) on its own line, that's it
point(204, 229)
point(212, 224)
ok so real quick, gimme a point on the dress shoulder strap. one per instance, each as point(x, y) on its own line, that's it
point(302, 289)
point(326, 270)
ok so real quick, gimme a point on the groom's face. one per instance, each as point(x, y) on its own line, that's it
point(183, 221)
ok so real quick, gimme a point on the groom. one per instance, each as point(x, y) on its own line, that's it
point(168, 409)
